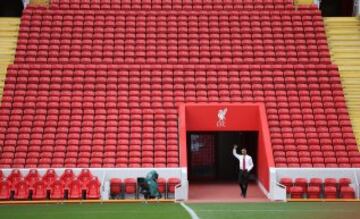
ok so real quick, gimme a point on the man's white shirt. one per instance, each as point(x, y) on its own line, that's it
point(248, 160)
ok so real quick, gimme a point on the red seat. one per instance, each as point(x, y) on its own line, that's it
point(115, 186)
point(32, 177)
point(287, 182)
point(75, 191)
point(130, 186)
point(347, 192)
point(49, 178)
point(172, 183)
point(330, 192)
point(301, 182)
point(330, 182)
point(5, 190)
point(296, 192)
point(67, 178)
point(21, 191)
point(317, 182)
point(313, 192)
point(39, 191)
point(14, 177)
point(57, 190)
point(344, 182)
point(161, 185)
point(84, 177)
point(93, 189)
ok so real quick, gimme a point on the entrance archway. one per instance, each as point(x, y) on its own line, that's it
point(229, 118)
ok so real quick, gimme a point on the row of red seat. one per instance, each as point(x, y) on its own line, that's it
point(49, 186)
point(128, 186)
point(316, 188)
point(172, 2)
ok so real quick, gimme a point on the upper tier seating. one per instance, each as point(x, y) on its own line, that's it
point(172, 37)
point(172, 4)
point(126, 115)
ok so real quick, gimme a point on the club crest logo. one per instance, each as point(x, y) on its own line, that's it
point(221, 117)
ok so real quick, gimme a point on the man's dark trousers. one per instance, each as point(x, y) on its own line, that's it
point(243, 181)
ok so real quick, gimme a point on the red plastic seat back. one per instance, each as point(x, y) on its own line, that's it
point(32, 177)
point(130, 185)
point(85, 176)
point(67, 177)
point(22, 190)
point(15, 177)
point(39, 190)
point(75, 191)
point(172, 182)
point(57, 190)
point(93, 188)
point(161, 185)
point(115, 186)
point(5, 190)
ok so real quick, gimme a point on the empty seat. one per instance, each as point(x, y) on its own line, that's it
point(21, 191)
point(287, 182)
point(32, 177)
point(115, 187)
point(344, 182)
point(49, 178)
point(316, 182)
point(57, 190)
point(301, 182)
point(313, 192)
point(93, 189)
point(330, 192)
point(171, 184)
point(75, 191)
point(130, 186)
point(14, 178)
point(84, 177)
point(347, 192)
point(67, 177)
point(296, 192)
point(39, 191)
point(5, 190)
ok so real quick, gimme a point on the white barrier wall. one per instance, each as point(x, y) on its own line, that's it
point(105, 174)
point(277, 173)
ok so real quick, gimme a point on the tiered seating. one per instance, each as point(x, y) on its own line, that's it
point(35, 187)
point(125, 115)
point(172, 4)
point(120, 68)
point(316, 188)
point(171, 37)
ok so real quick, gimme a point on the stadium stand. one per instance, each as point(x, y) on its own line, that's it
point(97, 84)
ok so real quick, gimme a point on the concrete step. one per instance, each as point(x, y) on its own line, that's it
point(303, 2)
point(344, 31)
point(340, 20)
point(345, 37)
point(334, 43)
point(349, 68)
point(346, 55)
point(344, 62)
